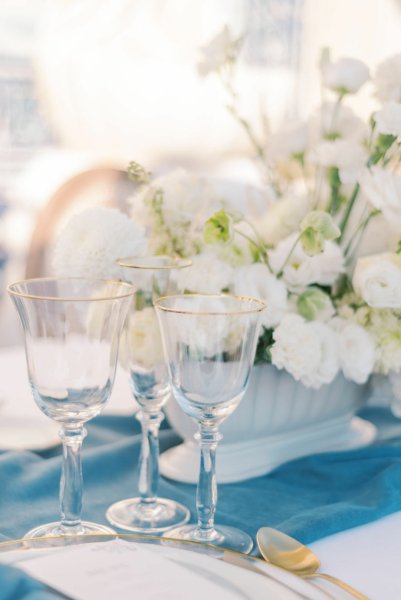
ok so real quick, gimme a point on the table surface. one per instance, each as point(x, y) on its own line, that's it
point(366, 557)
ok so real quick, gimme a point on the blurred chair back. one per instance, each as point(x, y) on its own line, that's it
point(100, 186)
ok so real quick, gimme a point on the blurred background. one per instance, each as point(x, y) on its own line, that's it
point(87, 85)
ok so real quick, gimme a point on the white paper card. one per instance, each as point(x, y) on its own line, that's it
point(118, 569)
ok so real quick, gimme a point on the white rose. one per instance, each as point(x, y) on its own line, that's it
point(345, 75)
point(347, 155)
point(208, 274)
point(388, 119)
point(282, 218)
point(383, 189)
point(378, 280)
point(357, 351)
point(307, 350)
point(302, 270)
point(257, 281)
point(387, 79)
point(141, 340)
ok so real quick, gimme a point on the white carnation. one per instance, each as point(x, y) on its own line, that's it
point(307, 350)
point(93, 240)
point(388, 119)
point(387, 79)
point(256, 281)
point(347, 155)
point(345, 75)
point(282, 218)
point(302, 270)
point(357, 351)
point(383, 190)
point(377, 279)
point(208, 274)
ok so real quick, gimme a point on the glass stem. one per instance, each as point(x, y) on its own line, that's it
point(71, 483)
point(206, 493)
point(149, 458)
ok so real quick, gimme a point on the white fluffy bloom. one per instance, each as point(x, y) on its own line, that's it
point(383, 189)
point(221, 50)
point(93, 240)
point(207, 275)
point(345, 75)
point(291, 140)
point(141, 340)
point(340, 120)
point(387, 79)
point(302, 270)
point(347, 155)
point(256, 281)
point(307, 350)
point(356, 349)
point(388, 119)
point(377, 279)
point(282, 218)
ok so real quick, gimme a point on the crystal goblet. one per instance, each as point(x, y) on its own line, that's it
point(141, 354)
point(209, 344)
point(72, 328)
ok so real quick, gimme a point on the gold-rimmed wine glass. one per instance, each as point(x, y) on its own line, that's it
point(209, 344)
point(72, 328)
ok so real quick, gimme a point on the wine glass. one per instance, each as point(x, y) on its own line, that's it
point(72, 328)
point(209, 344)
point(141, 354)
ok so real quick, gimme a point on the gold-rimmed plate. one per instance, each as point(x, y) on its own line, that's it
point(240, 576)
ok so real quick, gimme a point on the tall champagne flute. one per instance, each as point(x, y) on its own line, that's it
point(209, 344)
point(72, 328)
point(142, 356)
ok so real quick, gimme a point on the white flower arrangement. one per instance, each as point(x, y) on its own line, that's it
point(299, 242)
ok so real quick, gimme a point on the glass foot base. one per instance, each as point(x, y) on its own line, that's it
point(67, 534)
point(133, 515)
point(222, 536)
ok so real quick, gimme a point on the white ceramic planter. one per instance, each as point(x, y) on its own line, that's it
point(277, 420)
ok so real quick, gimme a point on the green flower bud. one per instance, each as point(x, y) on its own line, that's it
point(137, 173)
point(315, 304)
point(321, 222)
point(218, 229)
point(312, 242)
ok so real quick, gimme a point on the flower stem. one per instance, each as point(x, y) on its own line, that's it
point(356, 238)
point(260, 247)
point(348, 210)
point(280, 273)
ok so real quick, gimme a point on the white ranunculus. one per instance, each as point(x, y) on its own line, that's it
point(377, 279)
point(383, 189)
point(388, 119)
point(347, 155)
point(93, 240)
point(357, 351)
point(282, 218)
point(307, 350)
point(303, 270)
point(331, 119)
point(256, 281)
point(207, 275)
point(345, 75)
point(387, 79)
point(141, 342)
point(291, 140)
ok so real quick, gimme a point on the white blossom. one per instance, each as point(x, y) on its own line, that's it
point(140, 342)
point(388, 119)
point(357, 350)
point(341, 121)
point(383, 190)
point(347, 155)
point(346, 75)
point(307, 350)
point(221, 50)
point(207, 275)
point(291, 140)
point(93, 240)
point(256, 281)
point(377, 279)
point(282, 218)
point(387, 79)
point(302, 270)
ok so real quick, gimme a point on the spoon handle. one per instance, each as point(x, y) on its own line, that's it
point(340, 584)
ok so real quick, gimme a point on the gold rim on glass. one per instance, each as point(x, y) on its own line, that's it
point(130, 290)
point(133, 262)
point(260, 305)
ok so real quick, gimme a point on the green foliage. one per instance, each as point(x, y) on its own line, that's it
point(265, 342)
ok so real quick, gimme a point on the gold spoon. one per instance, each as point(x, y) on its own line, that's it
point(285, 552)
